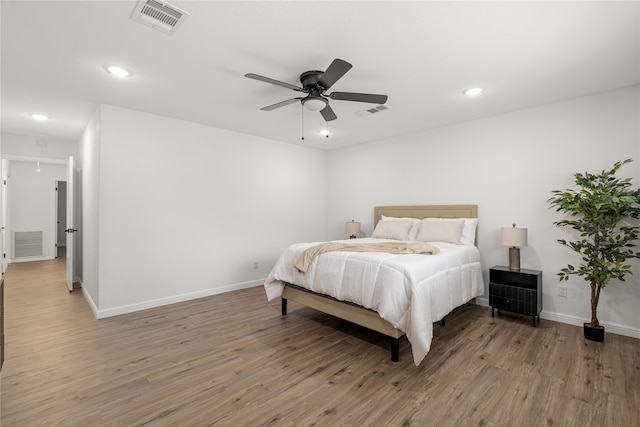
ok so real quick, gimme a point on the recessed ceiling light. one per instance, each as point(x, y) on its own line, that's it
point(37, 116)
point(473, 91)
point(118, 71)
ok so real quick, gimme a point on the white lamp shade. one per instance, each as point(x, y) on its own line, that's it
point(352, 228)
point(514, 237)
point(314, 103)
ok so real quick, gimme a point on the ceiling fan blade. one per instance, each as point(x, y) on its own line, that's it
point(328, 114)
point(272, 81)
point(337, 69)
point(280, 104)
point(359, 97)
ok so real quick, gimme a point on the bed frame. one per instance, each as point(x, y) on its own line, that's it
point(360, 315)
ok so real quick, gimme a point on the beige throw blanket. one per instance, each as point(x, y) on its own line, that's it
point(305, 258)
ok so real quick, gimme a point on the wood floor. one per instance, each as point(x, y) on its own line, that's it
point(233, 360)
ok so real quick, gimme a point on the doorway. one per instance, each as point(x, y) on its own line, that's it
point(32, 205)
point(61, 218)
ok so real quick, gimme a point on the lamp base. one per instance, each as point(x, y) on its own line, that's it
point(514, 259)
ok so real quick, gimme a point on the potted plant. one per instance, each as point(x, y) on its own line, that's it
point(600, 211)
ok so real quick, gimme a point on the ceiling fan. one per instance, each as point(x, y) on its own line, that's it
point(315, 84)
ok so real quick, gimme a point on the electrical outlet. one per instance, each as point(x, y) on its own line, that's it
point(256, 265)
point(562, 290)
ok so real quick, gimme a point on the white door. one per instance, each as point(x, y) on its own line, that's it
point(71, 229)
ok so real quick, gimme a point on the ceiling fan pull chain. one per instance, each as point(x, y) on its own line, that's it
point(302, 124)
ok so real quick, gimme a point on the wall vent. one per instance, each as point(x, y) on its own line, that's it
point(28, 244)
point(159, 15)
point(373, 110)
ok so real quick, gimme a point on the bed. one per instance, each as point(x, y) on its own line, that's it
point(394, 294)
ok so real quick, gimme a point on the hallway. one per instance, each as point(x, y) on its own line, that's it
point(39, 312)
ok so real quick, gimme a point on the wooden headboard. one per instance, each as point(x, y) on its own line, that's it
point(425, 211)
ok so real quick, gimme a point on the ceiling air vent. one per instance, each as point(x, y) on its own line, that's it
point(373, 110)
point(159, 15)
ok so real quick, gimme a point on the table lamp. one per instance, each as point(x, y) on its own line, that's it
point(514, 238)
point(352, 229)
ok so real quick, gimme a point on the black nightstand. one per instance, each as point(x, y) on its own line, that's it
point(519, 291)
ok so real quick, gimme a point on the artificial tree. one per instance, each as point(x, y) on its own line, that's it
point(602, 211)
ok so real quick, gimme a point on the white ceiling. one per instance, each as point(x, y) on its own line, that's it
point(421, 54)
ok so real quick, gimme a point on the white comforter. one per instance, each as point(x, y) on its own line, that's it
point(409, 291)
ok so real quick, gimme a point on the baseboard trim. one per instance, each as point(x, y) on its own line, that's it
point(125, 309)
point(482, 301)
point(40, 258)
point(87, 296)
point(577, 321)
point(130, 308)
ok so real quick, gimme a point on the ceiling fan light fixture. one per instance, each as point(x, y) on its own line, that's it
point(314, 103)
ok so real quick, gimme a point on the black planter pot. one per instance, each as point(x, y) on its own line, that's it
point(594, 334)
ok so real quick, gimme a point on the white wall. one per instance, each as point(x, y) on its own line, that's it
point(507, 165)
point(32, 202)
point(88, 189)
point(185, 210)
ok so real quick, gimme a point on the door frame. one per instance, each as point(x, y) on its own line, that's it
point(4, 215)
point(5, 219)
point(71, 226)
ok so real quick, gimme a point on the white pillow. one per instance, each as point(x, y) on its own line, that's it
point(440, 231)
point(413, 232)
point(468, 236)
point(389, 229)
